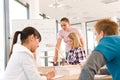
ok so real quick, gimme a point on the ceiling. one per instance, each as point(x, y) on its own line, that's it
point(80, 10)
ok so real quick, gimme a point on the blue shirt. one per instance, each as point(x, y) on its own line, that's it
point(109, 46)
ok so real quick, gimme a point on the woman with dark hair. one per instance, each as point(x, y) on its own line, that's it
point(22, 65)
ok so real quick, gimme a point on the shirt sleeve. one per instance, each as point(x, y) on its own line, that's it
point(30, 68)
point(91, 67)
point(104, 71)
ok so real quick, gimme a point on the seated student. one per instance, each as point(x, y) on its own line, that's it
point(22, 65)
point(76, 53)
point(107, 52)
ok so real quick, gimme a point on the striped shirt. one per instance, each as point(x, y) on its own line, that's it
point(76, 55)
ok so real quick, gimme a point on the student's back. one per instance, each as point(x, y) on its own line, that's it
point(109, 46)
point(107, 52)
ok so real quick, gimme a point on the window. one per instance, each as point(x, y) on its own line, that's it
point(78, 26)
point(17, 11)
point(91, 42)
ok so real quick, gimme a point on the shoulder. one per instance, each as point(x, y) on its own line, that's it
point(74, 28)
point(61, 32)
point(106, 47)
point(81, 50)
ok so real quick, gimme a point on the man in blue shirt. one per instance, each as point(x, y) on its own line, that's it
point(107, 52)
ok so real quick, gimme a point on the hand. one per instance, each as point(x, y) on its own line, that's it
point(50, 75)
point(66, 64)
point(55, 58)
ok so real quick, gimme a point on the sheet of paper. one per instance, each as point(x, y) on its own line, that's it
point(57, 76)
point(100, 76)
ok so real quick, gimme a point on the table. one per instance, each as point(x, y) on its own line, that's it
point(75, 77)
point(69, 77)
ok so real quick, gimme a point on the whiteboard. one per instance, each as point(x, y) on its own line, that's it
point(47, 29)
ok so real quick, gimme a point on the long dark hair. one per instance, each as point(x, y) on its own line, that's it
point(24, 35)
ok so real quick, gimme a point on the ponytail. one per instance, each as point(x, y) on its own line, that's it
point(14, 41)
point(24, 35)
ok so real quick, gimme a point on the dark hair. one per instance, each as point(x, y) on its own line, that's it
point(24, 35)
point(65, 19)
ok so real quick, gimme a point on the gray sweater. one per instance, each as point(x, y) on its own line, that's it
point(95, 61)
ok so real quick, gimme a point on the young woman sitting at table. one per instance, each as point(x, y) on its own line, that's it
point(22, 64)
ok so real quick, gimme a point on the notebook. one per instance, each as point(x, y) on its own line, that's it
point(100, 76)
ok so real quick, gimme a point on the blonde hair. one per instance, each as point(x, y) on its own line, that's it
point(108, 26)
point(76, 40)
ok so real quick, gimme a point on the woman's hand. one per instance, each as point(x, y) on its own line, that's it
point(55, 58)
point(50, 75)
